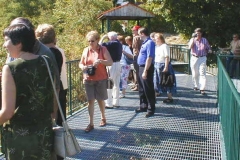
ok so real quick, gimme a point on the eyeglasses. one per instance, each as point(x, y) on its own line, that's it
point(91, 41)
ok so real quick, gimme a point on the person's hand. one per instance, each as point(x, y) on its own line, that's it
point(97, 62)
point(144, 75)
point(165, 69)
point(84, 68)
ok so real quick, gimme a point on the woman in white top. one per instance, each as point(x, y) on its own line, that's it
point(163, 65)
point(125, 65)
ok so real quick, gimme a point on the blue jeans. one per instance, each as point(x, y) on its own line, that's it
point(158, 68)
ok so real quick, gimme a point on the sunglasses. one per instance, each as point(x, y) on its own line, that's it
point(234, 37)
point(91, 41)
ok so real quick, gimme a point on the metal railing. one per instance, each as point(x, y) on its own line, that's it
point(229, 106)
point(76, 92)
point(180, 55)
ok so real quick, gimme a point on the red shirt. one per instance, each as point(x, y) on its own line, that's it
point(90, 57)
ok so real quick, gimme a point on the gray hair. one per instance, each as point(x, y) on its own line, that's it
point(112, 35)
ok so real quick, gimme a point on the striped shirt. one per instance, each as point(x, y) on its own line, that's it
point(200, 47)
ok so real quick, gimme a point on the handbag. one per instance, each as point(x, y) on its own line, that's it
point(167, 79)
point(65, 143)
point(109, 80)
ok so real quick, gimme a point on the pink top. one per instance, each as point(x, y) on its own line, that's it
point(90, 57)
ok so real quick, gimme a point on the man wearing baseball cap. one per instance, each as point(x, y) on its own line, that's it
point(136, 45)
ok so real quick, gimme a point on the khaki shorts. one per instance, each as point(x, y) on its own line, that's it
point(96, 90)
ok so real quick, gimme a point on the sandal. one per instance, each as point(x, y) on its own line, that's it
point(89, 128)
point(103, 123)
point(122, 96)
point(202, 92)
point(195, 88)
point(168, 100)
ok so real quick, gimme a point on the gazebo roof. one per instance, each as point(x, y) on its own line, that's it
point(127, 11)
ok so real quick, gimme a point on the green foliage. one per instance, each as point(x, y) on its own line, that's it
point(72, 19)
point(219, 18)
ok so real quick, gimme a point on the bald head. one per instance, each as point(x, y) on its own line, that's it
point(22, 20)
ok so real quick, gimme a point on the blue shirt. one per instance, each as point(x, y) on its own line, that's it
point(147, 50)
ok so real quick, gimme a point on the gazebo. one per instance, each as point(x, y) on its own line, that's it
point(127, 11)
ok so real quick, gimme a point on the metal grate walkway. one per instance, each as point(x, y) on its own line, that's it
point(186, 129)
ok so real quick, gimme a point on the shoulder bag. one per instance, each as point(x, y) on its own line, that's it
point(109, 80)
point(166, 79)
point(65, 143)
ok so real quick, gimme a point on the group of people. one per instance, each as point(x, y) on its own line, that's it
point(29, 108)
point(150, 58)
point(151, 61)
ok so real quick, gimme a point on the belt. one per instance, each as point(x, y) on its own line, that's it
point(116, 61)
point(143, 65)
point(198, 56)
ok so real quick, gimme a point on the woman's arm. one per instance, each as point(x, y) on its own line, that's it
point(166, 53)
point(126, 51)
point(8, 95)
point(82, 65)
point(165, 69)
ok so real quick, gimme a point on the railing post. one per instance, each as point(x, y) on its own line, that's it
point(69, 87)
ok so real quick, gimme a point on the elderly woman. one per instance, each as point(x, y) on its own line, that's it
point(163, 65)
point(93, 63)
point(27, 98)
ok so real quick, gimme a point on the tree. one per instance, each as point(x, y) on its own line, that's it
point(219, 18)
point(73, 19)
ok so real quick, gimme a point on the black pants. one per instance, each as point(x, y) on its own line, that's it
point(63, 102)
point(146, 89)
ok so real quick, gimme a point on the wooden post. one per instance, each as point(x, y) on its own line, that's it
point(103, 26)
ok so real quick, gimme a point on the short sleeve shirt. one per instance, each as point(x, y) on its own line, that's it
point(147, 50)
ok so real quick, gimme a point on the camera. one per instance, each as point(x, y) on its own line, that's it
point(91, 70)
point(194, 35)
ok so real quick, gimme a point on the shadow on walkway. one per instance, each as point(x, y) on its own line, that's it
point(186, 129)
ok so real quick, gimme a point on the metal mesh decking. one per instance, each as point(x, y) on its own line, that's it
point(186, 129)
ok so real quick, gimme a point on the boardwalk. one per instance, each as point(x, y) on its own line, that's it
point(186, 129)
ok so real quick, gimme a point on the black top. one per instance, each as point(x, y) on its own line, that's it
point(58, 57)
point(115, 49)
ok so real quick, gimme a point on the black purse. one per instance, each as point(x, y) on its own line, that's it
point(166, 79)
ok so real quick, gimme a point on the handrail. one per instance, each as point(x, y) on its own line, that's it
point(76, 92)
point(180, 55)
point(229, 106)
